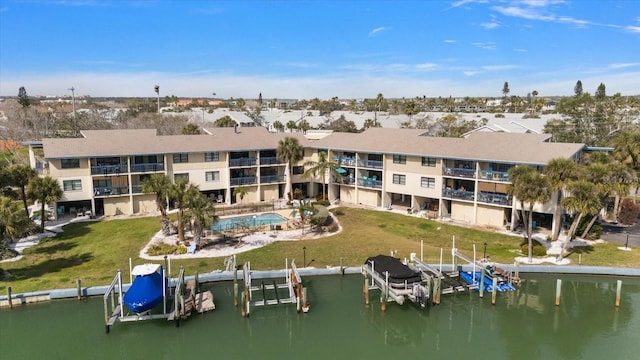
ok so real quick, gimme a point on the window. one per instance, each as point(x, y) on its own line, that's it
point(72, 185)
point(428, 161)
point(298, 170)
point(177, 177)
point(399, 159)
point(399, 179)
point(70, 163)
point(428, 182)
point(211, 156)
point(212, 176)
point(180, 158)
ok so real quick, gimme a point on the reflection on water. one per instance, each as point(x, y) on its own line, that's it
point(524, 324)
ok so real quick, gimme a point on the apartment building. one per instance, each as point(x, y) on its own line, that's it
point(464, 179)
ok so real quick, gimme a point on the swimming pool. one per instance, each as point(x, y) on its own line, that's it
point(247, 221)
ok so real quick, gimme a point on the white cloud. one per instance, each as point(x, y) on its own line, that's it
point(377, 30)
point(426, 66)
point(472, 73)
point(633, 29)
point(520, 50)
point(525, 13)
point(623, 65)
point(450, 41)
point(302, 64)
point(485, 46)
point(490, 25)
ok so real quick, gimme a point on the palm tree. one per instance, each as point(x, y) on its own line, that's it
point(533, 188)
point(240, 192)
point(201, 211)
point(517, 176)
point(181, 192)
point(44, 189)
point(559, 171)
point(289, 152)
point(19, 176)
point(160, 185)
point(583, 199)
point(13, 221)
point(278, 125)
point(321, 167)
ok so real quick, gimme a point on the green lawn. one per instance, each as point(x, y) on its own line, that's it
point(93, 251)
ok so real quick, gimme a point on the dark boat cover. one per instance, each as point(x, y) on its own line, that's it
point(145, 293)
point(399, 273)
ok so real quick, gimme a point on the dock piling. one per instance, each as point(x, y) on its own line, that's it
point(618, 291)
point(341, 267)
point(9, 297)
point(79, 288)
point(436, 290)
point(480, 285)
point(558, 290)
point(494, 291)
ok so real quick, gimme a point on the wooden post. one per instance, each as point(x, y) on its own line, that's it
point(341, 268)
point(494, 291)
point(516, 266)
point(558, 290)
point(305, 301)
point(383, 298)
point(618, 290)
point(436, 290)
point(365, 290)
point(9, 297)
point(197, 279)
point(235, 294)
point(480, 284)
point(79, 287)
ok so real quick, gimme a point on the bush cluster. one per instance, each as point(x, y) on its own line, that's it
point(629, 212)
point(166, 249)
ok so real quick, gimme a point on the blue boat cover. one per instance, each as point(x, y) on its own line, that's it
point(145, 293)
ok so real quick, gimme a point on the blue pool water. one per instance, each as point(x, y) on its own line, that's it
point(247, 221)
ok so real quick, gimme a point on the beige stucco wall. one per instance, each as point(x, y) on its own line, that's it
point(74, 195)
point(269, 192)
point(55, 170)
point(369, 197)
point(490, 216)
point(462, 212)
point(117, 206)
point(347, 194)
point(144, 204)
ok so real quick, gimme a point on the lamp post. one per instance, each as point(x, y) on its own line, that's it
point(73, 101)
point(273, 204)
point(304, 256)
point(254, 221)
point(157, 90)
point(484, 254)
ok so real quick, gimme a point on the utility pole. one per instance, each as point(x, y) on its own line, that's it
point(73, 101)
point(157, 90)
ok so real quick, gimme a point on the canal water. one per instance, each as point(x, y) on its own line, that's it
point(524, 324)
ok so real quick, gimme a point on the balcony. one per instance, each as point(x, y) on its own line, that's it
point(373, 164)
point(457, 194)
point(267, 179)
point(109, 169)
point(270, 161)
point(148, 167)
point(105, 191)
point(346, 161)
point(370, 183)
point(245, 180)
point(243, 162)
point(459, 172)
point(491, 175)
point(495, 199)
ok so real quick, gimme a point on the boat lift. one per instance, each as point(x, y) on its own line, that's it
point(184, 301)
point(418, 293)
point(296, 293)
point(481, 276)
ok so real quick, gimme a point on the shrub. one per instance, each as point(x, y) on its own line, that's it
point(320, 216)
point(321, 203)
point(595, 231)
point(166, 249)
point(338, 212)
point(538, 250)
point(629, 212)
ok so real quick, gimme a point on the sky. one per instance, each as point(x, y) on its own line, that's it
point(307, 49)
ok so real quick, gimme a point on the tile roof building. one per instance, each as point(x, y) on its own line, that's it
point(463, 179)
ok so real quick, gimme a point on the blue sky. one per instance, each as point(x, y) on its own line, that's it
point(307, 49)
